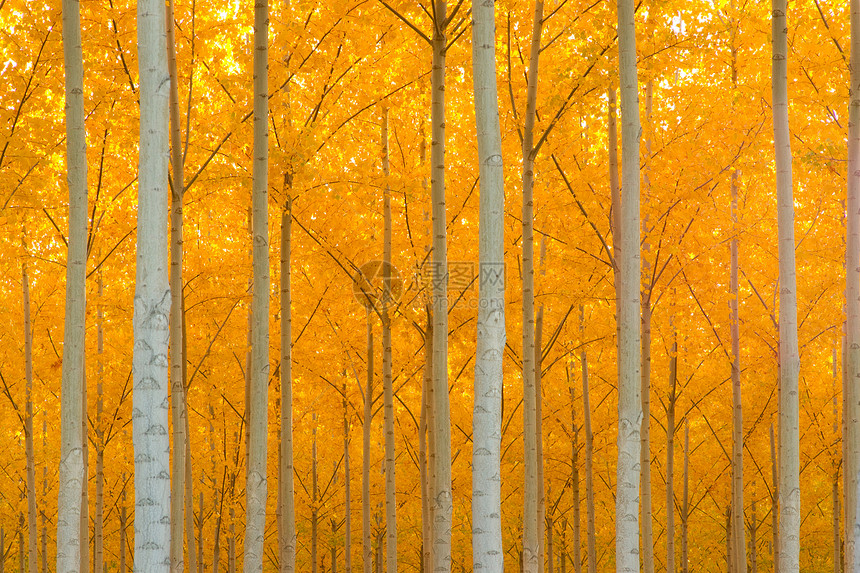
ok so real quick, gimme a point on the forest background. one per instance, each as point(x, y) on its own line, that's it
point(336, 69)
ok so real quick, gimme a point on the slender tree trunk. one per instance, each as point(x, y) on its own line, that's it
point(32, 529)
point(614, 189)
point(256, 478)
point(152, 302)
point(629, 384)
point(21, 547)
point(2, 551)
point(574, 465)
point(200, 563)
point(539, 424)
point(773, 504)
point(429, 473)
point(347, 502)
point(589, 457)
point(645, 438)
point(443, 505)
point(753, 536)
point(729, 560)
point(549, 544)
point(851, 360)
point(487, 548)
point(739, 542)
point(837, 549)
point(670, 455)
point(366, 544)
point(72, 473)
point(231, 544)
point(44, 567)
point(98, 526)
point(286, 487)
point(387, 384)
point(123, 526)
point(789, 363)
point(685, 502)
point(531, 540)
point(314, 494)
point(177, 387)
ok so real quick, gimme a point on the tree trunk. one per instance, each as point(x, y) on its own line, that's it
point(286, 486)
point(645, 438)
point(231, 544)
point(387, 384)
point(851, 360)
point(98, 526)
point(730, 566)
point(589, 456)
point(314, 494)
point(152, 302)
point(72, 476)
point(685, 502)
point(789, 363)
point(177, 387)
point(487, 548)
point(753, 537)
point(549, 544)
point(531, 540)
point(32, 530)
point(670, 454)
point(774, 511)
point(366, 544)
point(347, 502)
point(574, 465)
point(837, 549)
point(443, 506)
point(739, 542)
point(123, 525)
point(629, 383)
point(256, 489)
point(429, 476)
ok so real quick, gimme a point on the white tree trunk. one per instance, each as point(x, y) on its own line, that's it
point(256, 488)
point(739, 539)
point(32, 529)
point(286, 486)
point(789, 363)
point(152, 302)
point(72, 476)
point(98, 525)
point(443, 500)
point(670, 455)
point(851, 360)
point(629, 381)
point(487, 550)
point(531, 541)
point(387, 383)
point(685, 501)
point(589, 463)
point(366, 545)
point(774, 511)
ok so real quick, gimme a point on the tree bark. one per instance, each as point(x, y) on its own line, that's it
point(286, 485)
point(178, 409)
point(427, 477)
point(531, 541)
point(629, 384)
point(574, 465)
point(443, 500)
point(789, 363)
point(589, 457)
point(670, 454)
point(72, 477)
point(487, 548)
point(347, 502)
point(837, 549)
point(152, 302)
point(387, 384)
point(685, 502)
point(851, 361)
point(314, 495)
point(366, 542)
point(774, 510)
point(256, 488)
point(32, 528)
point(98, 526)
point(739, 542)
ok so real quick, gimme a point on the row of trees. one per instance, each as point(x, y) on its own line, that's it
point(652, 264)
